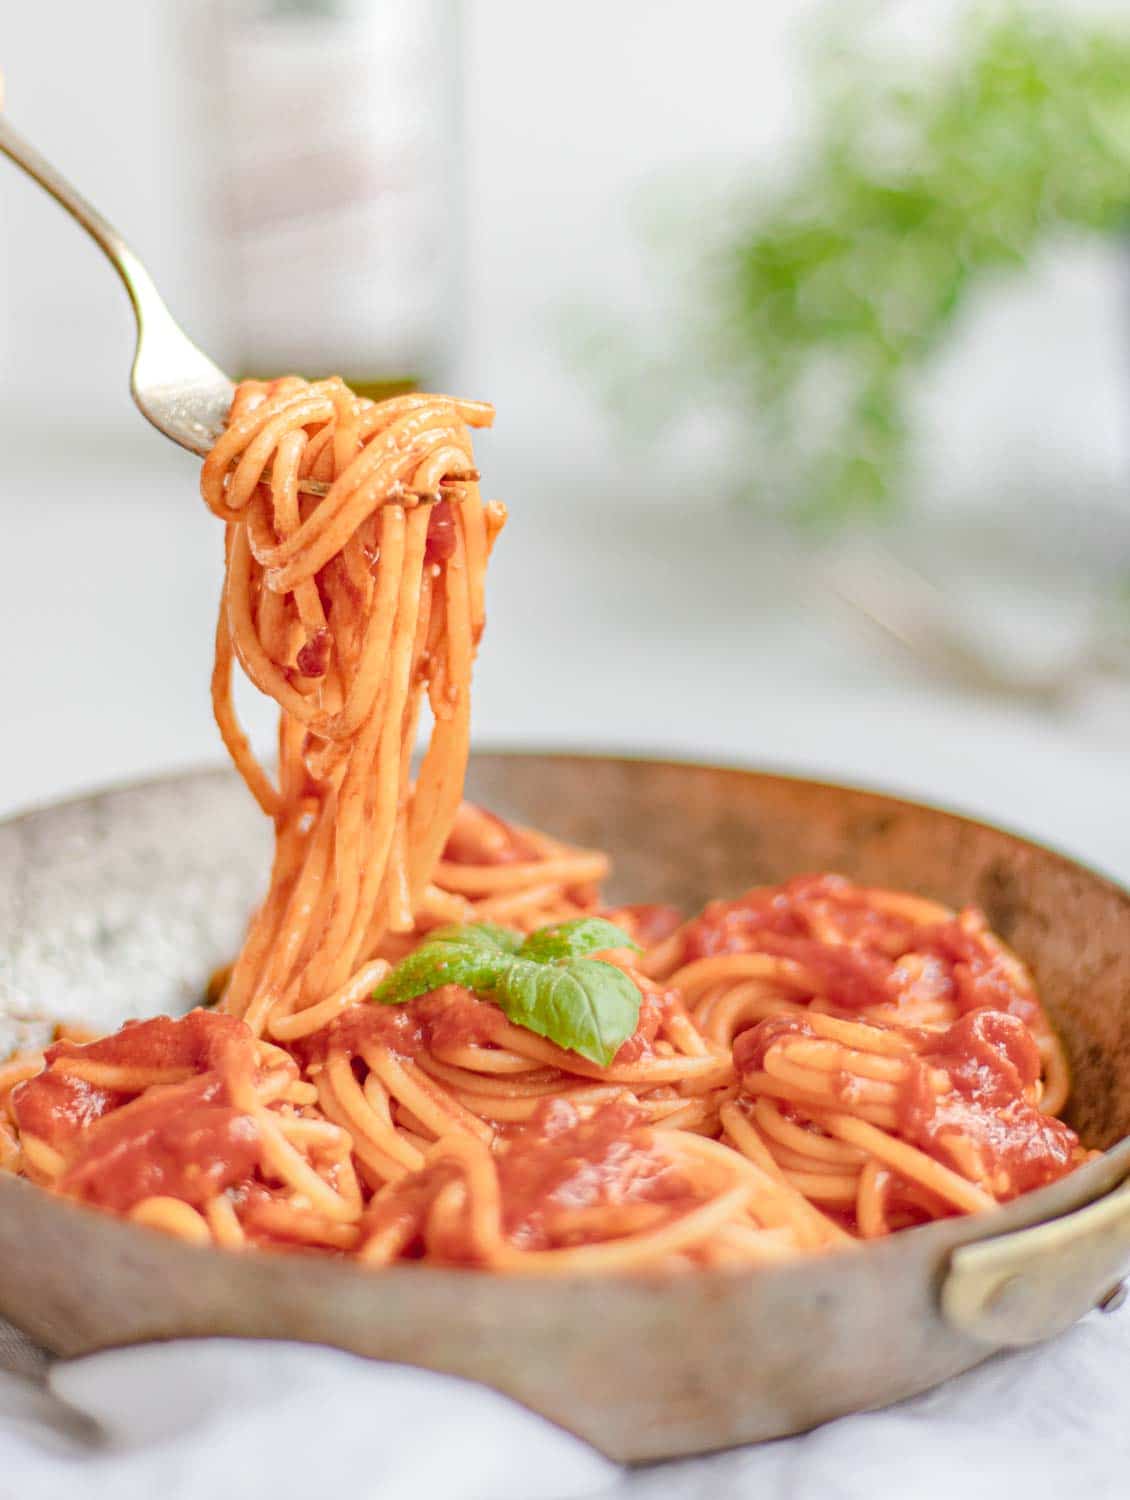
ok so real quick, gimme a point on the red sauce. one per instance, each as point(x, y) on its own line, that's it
point(654, 1007)
point(448, 1017)
point(787, 912)
point(850, 976)
point(314, 657)
point(441, 533)
point(184, 1140)
point(56, 1106)
point(992, 1064)
point(197, 1040)
point(861, 969)
point(981, 977)
point(455, 1017)
point(752, 1045)
point(487, 840)
point(559, 1161)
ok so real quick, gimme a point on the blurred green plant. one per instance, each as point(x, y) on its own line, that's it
point(830, 291)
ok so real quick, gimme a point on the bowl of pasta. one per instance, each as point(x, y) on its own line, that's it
point(845, 1115)
point(689, 1106)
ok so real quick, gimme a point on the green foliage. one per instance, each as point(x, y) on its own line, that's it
point(545, 982)
point(831, 292)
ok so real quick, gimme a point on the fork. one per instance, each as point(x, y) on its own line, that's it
point(173, 383)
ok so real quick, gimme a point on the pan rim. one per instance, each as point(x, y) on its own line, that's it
point(764, 771)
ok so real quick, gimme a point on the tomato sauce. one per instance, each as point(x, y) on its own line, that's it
point(448, 1017)
point(788, 911)
point(196, 1040)
point(184, 1140)
point(487, 840)
point(752, 1045)
point(314, 657)
point(993, 1065)
point(981, 977)
point(560, 1161)
point(655, 1005)
point(57, 1108)
point(861, 969)
point(453, 1016)
point(548, 1168)
point(984, 1123)
point(440, 545)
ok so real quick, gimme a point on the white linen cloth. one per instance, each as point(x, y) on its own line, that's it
point(281, 1421)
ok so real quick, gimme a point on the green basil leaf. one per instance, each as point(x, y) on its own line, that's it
point(436, 964)
point(584, 1005)
point(545, 983)
point(485, 935)
point(575, 939)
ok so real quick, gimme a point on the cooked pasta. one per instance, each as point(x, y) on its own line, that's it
point(438, 1042)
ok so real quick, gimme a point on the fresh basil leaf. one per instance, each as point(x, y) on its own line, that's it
point(575, 939)
point(486, 935)
point(544, 983)
point(584, 1005)
point(436, 964)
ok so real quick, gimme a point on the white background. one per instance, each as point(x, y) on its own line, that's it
point(627, 608)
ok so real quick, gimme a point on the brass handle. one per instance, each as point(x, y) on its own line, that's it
point(1026, 1286)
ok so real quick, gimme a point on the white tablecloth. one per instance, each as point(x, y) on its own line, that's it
point(221, 1418)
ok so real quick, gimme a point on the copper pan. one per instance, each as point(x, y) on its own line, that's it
point(119, 905)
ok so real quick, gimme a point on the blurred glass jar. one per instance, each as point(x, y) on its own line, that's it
point(339, 234)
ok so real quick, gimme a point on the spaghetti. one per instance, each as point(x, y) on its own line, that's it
point(806, 1066)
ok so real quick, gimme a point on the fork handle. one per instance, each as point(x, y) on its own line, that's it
point(174, 384)
point(143, 294)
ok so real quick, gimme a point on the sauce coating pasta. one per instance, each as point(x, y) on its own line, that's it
point(802, 1067)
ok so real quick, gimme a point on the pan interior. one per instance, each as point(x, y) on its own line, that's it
point(121, 905)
